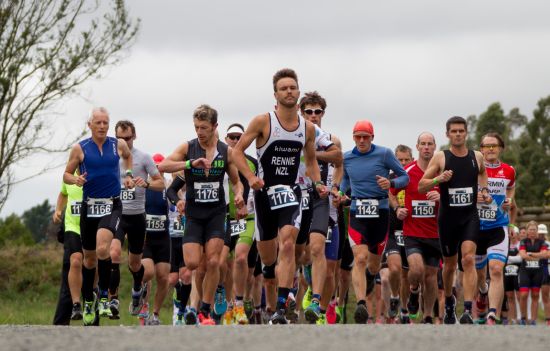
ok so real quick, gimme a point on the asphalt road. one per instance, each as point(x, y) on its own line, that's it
point(280, 338)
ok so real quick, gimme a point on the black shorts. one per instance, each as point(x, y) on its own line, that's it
point(90, 225)
point(546, 278)
point(455, 228)
point(511, 279)
point(530, 278)
point(210, 226)
point(372, 232)
point(268, 221)
point(176, 256)
point(342, 231)
point(320, 216)
point(252, 256)
point(429, 249)
point(134, 227)
point(346, 263)
point(258, 267)
point(72, 243)
point(395, 245)
point(303, 234)
point(440, 279)
point(490, 238)
point(157, 247)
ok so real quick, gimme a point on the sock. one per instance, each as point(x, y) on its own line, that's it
point(104, 272)
point(138, 277)
point(282, 295)
point(205, 308)
point(184, 293)
point(468, 306)
point(239, 301)
point(449, 300)
point(404, 311)
point(316, 297)
point(114, 282)
point(494, 310)
point(88, 277)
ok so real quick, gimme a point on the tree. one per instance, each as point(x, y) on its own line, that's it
point(37, 219)
point(49, 48)
point(13, 231)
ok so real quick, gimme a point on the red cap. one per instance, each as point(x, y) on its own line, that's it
point(158, 158)
point(363, 126)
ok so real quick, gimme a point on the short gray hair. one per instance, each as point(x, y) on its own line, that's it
point(97, 109)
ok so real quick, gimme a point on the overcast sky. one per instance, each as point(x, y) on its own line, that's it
point(405, 65)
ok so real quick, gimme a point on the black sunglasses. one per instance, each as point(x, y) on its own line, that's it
point(234, 137)
point(126, 138)
point(317, 111)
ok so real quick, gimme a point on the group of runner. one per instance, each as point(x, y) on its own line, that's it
point(244, 240)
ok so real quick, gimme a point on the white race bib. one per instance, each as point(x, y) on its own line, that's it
point(487, 212)
point(511, 269)
point(97, 208)
point(237, 226)
point(460, 197)
point(281, 196)
point(177, 227)
point(75, 208)
point(366, 208)
point(207, 191)
point(399, 238)
point(305, 200)
point(155, 223)
point(423, 209)
point(127, 194)
point(532, 264)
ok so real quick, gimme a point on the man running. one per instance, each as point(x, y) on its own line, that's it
point(462, 180)
point(97, 159)
point(280, 138)
point(366, 172)
point(205, 161)
point(492, 246)
point(132, 222)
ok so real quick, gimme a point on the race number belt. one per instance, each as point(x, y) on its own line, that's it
point(207, 192)
point(487, 212)
point(459, 197)
point(177, 227)
point(281, 196)
point(237, 227)
point(532, 264)
point(155, 223)
point(399, 238)
point(366, 208)
point(127, 194)
point(423, 209)
point(97, 208)
point(75, 208)
point(305, 199)
point(511, 269)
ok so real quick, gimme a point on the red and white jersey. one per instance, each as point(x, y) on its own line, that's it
point(421, 220)
point(501, 177)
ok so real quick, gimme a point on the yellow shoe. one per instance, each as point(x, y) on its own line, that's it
point(228, 317)
point(239, 315)
point(307, 298)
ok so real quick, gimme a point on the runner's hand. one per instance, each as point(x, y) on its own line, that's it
point(180, 206)
point(507, 204)
point(433, 195)
point(242, 212)
point(402, 213)
point(484, 197)
point(129, 182)
point(383, 183)
point(80, 179)
point(445, 176)
point(239, 202)
point(138, 181)
point(322, 190)
point(256, 183)
point(202, 163)
point(57, 217)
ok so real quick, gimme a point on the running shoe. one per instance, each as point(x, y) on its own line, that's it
point(220, 303)
point(144, 312)
point(482, 302)
point(179, 319)
point(190, 316)
point(380, 320)
point(331, 316)
point(205, 319)
point(152, 320)
point(278, 317)
point(322, 320)
point(450, 314)
point(76, 313)
point(394, 307)
point(405, 319)
point(413, 305)
point(228, 317)
point(361, 314)
point(522, 322)
point(248, 308)
point(239, 315)
point(533, 322)
point(466, 318)
point(340, 314)
point(306, 301)
point(504, 321)
point(104, 310)
point(114, 306)
point(89, 313)
point(312, 312)
point(290, 309)
point(137, 300)
point(491, 318)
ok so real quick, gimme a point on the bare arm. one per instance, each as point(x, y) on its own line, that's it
point(126, 154)
point(331, 155)
point(59, 207)
point(157, 183)
point(175, 162)
point(252, 132)
point(434, 168)
point(75, 158)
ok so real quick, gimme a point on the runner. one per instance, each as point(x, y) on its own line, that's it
point(511, 283)
point(205, 161)
point(459, 172)
point(545, 289)
point(366, 172)
point(97, 159)
point(492, 244)
point(280, 138)
point(132, 222)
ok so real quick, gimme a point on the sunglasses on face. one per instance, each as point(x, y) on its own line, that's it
point(362, 137)
point(234, 137)
point(316, 112)
point(128, 138)
point(490, 146)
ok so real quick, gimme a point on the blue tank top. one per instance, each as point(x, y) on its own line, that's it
point(103, 174)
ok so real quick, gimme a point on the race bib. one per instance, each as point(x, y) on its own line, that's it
point(532, 264)
point(177, 227)
point(155, 223)
point(511, 269)
point(127, 194)
point(399, 238)
point(207, 192)
point(459, 197)
point(97, 208)
point(487, 212)
point(281, 196)
point(366, 208)
point(305, 200)
point(237, 227)
point(75, 208)
point(423, 209)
